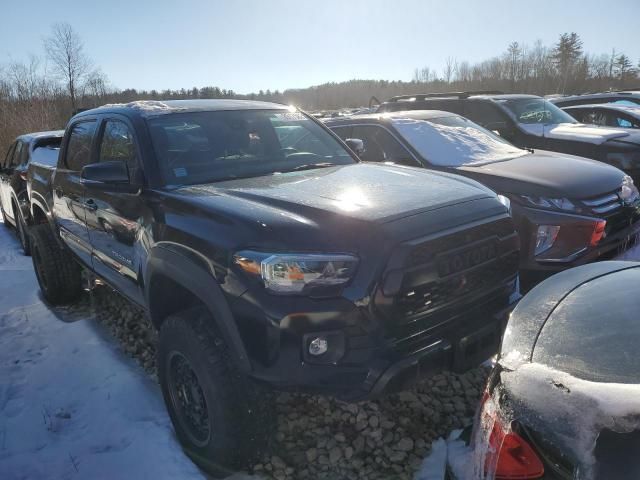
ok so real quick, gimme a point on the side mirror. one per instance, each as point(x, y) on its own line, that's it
point(356, 145)
point(110, 176)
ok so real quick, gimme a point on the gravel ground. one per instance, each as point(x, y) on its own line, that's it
point(320, 437)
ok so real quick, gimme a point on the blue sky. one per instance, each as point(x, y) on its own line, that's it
point(247, 45)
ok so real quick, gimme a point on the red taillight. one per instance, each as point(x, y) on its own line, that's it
point(598, 232)
point(509, 455)
point(516, 459)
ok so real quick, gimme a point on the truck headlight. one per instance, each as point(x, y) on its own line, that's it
point(297, 272)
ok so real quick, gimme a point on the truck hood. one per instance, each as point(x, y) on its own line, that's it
point(369, 192)
point(547, 174)
point(577, 132)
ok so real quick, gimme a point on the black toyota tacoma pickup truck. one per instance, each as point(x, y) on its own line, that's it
point(264, 264)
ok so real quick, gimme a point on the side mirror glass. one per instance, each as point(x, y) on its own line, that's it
point(356, 145)
point(107, 176)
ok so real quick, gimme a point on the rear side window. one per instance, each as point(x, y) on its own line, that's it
point(79, 147)
point(118, 144)
point(483, 113)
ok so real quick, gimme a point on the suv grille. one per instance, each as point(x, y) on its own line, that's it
point(611, 208)
point(605, 204)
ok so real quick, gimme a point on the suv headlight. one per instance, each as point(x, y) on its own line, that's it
point(563, 204)
point(629, 192)
point(297, 273)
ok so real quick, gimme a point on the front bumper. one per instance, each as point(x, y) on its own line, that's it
point(369, 367)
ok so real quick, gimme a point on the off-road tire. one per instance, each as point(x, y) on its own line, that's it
point(237, 409)
point(59, 276)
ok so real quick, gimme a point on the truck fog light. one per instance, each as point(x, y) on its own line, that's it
point(318, 346)
point(545, 237)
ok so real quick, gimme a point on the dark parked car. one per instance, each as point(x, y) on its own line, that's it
point(264, 252)
point(568, 210)
point(563, 401)
point(14, 202)
point(631, 97)
point(528, 121)
point(606, 115)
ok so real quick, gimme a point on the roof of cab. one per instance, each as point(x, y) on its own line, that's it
point(149, 108)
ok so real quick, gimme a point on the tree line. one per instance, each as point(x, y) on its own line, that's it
point(39, 94)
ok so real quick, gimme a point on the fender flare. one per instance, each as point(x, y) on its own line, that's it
point(195, 276)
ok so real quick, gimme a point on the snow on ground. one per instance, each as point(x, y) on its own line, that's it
point(71, 404)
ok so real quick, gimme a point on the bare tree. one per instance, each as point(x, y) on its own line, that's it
point(66, 51)
point(449, 68)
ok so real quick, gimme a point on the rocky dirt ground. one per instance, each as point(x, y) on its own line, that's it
point(323, 438)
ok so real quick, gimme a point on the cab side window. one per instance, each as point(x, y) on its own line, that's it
point(118, 144)
point(78, 152)
point(381, 146)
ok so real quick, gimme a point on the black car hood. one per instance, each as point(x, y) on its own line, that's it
point(379, 193)
point(547, 174)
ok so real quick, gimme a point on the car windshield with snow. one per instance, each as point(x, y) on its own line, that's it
point(568, 210)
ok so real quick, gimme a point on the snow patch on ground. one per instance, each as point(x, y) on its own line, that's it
point(71, 404)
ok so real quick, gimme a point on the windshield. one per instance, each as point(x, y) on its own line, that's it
point(454, 141)
point(203, 147)
point(536, 110)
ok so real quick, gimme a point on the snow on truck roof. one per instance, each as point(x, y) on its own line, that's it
point(156, 107)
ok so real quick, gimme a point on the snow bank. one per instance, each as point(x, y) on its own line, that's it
point(450, 146)
point(145, 106)
point(574, 131)
point(71, 405)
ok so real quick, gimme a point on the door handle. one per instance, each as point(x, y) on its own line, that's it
point(90, 204)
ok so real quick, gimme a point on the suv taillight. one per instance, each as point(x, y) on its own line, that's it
point(598, 232)
point(509, 455)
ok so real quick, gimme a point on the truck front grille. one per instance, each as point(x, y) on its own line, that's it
point(440, 278)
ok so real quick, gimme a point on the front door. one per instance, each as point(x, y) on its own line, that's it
point(113, 219)
point(69, 206)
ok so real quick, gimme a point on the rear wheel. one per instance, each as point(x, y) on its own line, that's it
point(214, 410)
point(59, 276)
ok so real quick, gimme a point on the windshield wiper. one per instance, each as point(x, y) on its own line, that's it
point(310, 166)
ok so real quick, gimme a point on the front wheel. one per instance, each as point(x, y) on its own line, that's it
point(215, 410)
point(59, 276)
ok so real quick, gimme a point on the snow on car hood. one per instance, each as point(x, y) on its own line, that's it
point(574, 131)
point(572, 410)
point(452, 146)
